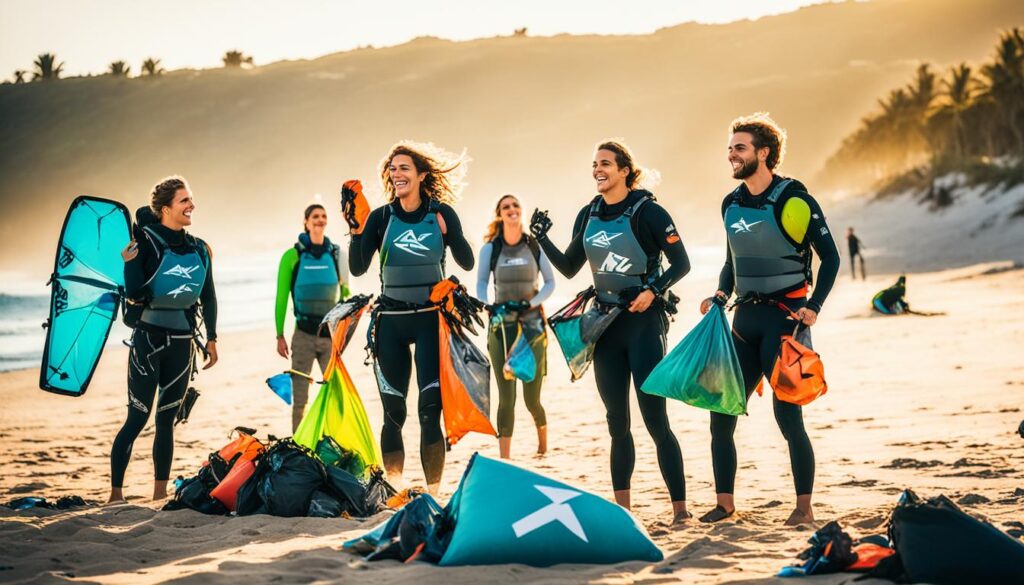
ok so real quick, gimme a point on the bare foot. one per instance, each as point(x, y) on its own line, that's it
point(799, 517)
point(681, 518)
point(116, 496)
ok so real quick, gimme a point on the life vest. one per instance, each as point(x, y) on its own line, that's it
point(175, 286)
point(412, 257)
point(315, 288)
point(515, 269)
point(764, 260)
point(617, 260)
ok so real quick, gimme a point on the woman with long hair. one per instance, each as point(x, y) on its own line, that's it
point(623, 234)
point(168, 274)
point(515, 260)
point(312, 274)
point(412, 232)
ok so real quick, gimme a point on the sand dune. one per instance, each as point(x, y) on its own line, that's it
point(927, 403)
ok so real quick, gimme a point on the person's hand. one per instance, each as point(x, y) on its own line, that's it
point(282, 347)
point(540, 223)
point(517, 306)
point(354, 206)
point(807, 316)
point(211, 354)
point(130, 251)
point(718, 298)
point(642, 302)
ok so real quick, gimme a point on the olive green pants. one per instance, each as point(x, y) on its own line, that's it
point(498, 349)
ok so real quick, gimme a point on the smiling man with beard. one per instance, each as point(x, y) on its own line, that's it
point(773, 227)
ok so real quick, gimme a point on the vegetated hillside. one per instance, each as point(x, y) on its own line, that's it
point(256, 144)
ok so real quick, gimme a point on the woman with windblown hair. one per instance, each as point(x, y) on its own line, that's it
point(515, 260)
point(412, 232)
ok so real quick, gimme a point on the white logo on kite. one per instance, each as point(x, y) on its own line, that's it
point(410, 242)
point(602, 239)
point(180, 290)
point(742, 226)
point(557, 511)
point(615, 263)
point(181, 271)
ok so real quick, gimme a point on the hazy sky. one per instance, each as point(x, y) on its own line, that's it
point(88, 35)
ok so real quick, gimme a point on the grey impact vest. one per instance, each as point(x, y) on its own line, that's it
point(316, 289)
point(175, 286)
point(515, 274)
point(764, 261)
point(412, 257)
point(616, 258)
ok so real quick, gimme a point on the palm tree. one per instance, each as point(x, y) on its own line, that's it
point(47, 67)
point(959, 96)
point(1004, 83)
point(236, 59)
point(119, 69)
point(151, 67)
point(19, 76)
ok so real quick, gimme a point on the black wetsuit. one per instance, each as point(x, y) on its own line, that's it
point(635, 342)
point(853, 243)
point(395, 332)
point(757, 331)
point(160, 362)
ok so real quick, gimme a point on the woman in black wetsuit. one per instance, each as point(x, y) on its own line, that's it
point(623, 234)
point(411, 232)
point(169, 273)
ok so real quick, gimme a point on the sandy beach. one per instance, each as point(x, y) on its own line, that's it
point(930, 403)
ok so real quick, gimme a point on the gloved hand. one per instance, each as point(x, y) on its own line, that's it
point(540, 223)
point(354, 206)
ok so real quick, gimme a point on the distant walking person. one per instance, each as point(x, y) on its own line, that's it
point(854, 243)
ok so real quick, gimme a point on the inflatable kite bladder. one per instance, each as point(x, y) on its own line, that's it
point(505, 514)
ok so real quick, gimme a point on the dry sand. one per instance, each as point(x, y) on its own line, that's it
point(928, 403)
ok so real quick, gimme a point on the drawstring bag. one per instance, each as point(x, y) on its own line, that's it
point(578, 328)
point(703, 369)
point(798, 376)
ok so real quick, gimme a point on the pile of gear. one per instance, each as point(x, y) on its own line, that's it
point(931, 541)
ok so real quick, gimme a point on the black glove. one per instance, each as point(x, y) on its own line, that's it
point(719, 300)
point(540, 223)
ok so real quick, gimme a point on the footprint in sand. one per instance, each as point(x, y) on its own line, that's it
point(863, 483)
point(973, 500)
point(911, 463)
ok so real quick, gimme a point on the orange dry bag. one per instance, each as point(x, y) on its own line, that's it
point(798, 376)
point(226, 491)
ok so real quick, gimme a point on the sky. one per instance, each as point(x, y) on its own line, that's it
point(88, 35)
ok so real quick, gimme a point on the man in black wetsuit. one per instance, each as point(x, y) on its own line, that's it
point(772, 225)
point(853, 243)
point(623, 234)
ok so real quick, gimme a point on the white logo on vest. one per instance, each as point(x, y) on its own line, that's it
point(181, 271)
point(180, 290)
point(742, 227)
point(602, 239)
point(615, 263)
point(409, 242)
point(557, 511)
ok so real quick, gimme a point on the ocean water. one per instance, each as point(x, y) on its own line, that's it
point(245, 300)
